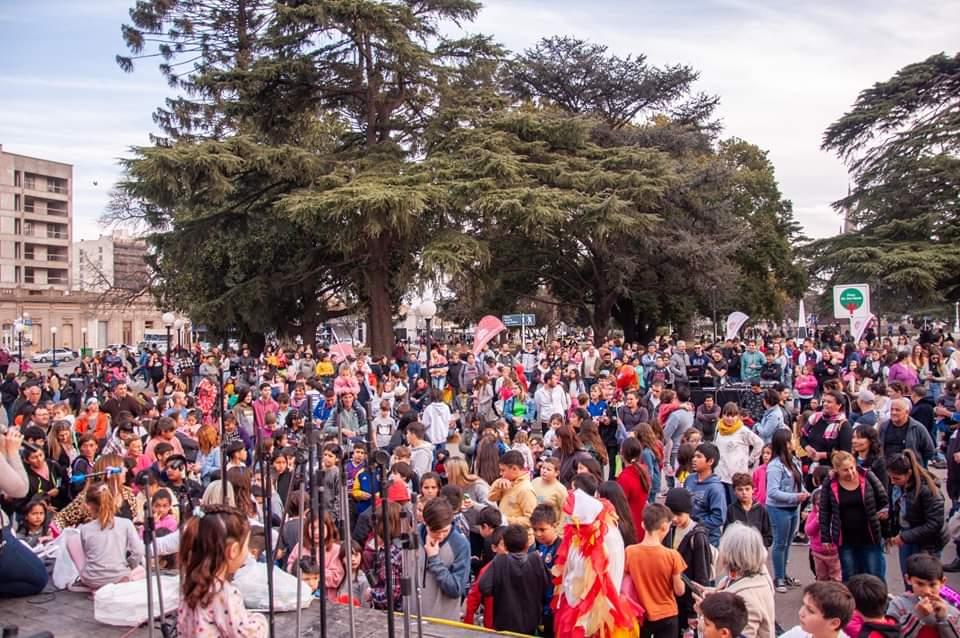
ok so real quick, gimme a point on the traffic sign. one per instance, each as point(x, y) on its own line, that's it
point(519, 321)
point(851, 300)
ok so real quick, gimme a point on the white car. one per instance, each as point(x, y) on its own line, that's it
point(63, 354)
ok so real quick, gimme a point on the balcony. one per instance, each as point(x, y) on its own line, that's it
point(57, 258)
point(59, 189)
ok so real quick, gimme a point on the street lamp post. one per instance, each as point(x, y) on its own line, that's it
point(178, 324)
point(168, 319)
point(427, 310)
point(53, 332)
point(83, 331)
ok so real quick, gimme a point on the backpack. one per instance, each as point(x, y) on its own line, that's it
point(884, 629)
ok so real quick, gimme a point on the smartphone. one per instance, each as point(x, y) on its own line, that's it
point(697, 587)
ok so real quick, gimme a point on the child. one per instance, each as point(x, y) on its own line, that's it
point(684, 461)
point(518, 582)
point(162, 505)
point(760, 475)
point(692, 542)
point(475, 598)
point(656, 574)
point(747, 510)
point(513, 492)
point(709, 495)
point(383, 425)
point(212, 548)
point(109, 546)
point(869, 618)
point(550, 440)
point(826, 558)
point(488, 521)
point(520, 444)
point(544, 522)
point(724, 615)
point(35, 529)
point(309, 546)
point(827, 608)
point(547, 488)
point(330, 476)
point(923, 611)
point(358, 591)
point(236, 455)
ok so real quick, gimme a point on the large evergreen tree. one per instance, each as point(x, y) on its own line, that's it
point(901, 142)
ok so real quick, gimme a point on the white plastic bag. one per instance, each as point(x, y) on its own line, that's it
point(251, 580)
point(125, 604)
point(64, 569)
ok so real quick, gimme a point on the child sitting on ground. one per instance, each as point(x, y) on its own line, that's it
point(35, 529)
point(109, 549)
point(827, 608)
point(923, 611)
point(869, 618)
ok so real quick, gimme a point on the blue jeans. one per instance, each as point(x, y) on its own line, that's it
point(23, 572)
point(784, 523)
point(862, 559)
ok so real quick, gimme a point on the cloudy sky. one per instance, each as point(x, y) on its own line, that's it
point(784, 72)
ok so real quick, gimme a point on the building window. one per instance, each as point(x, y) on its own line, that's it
point(30, 181)
point(148, 325)
point(28, 275)
point(16, 274)
point(16, 178)
point(16, 201)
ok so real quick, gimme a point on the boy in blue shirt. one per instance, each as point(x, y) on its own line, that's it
point(547, 541)
point(709, 495)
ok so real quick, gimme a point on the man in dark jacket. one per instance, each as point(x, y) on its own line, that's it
point(923, 406)
point(900, 432)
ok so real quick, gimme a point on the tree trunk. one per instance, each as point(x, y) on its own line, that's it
point(600, 319)
point(380, 309)
point(625, 314)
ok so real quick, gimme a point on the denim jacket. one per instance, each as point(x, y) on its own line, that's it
point(782, 490)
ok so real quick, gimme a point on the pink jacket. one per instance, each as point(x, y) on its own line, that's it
point(806, 385)
point(760, 484)
point(342, 385)
point(334, 568)
point(812, 526)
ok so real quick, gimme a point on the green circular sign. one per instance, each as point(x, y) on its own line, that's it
point(851, 299)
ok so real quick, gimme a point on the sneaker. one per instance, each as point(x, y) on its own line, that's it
point(801, 539)
point(780, 585)
point(793, 582)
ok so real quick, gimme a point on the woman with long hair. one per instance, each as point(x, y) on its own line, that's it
point(652, 457)
point(487, 463)
point(474, 487)
point(570, 453)
point(903, 371)
point(111, 469)
point(785, 495)
point(635, 481)
point(590, 436)
point(866, 448)
point(61, 444)
point(917, 504)
point(208, 457)
point(935, 374)
point(613, 492)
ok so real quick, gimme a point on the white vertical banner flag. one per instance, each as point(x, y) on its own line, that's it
point(858, 326)
point(734, 322)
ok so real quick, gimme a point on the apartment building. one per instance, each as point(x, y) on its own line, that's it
point(115, 261)
point(36, 208)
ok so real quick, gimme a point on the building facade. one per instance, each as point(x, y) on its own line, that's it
point(112, 261)
point(36, 208)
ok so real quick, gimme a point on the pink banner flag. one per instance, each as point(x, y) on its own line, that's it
point(340, 351)
point(487, 328)
point(859, 325)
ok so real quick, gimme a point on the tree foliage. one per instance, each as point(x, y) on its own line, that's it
point(901, 141)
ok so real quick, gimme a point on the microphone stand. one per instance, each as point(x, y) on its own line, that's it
point(149, 555)
point(267, 522)
point(316, 508)
point(382, 461)
point(410, 587)
point(300, 543)
point(345, 509)
point(222, 400)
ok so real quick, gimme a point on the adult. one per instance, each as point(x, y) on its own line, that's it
point(707, 416)
point(901, 432)
point(742, 570)
point(772, 419)
point(473, 487)
point(679, 421)
point(632, 413)
point(550, 398)
point(122, 401)
point(570, 452)
point(751, 362)
point(785, 494)
point(827, 431)
point(679, 361)
point(867, 406)
point(917, 508)
point(853, 502)
point(349, 417)
point(902, 371)
point(23, 572)
point(869, 454)
point(739, 448)
point(94, 421)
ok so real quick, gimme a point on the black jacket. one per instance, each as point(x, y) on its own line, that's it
point(518, 582)
point(697, 553)
point(953, 468)
point(757, 517)
point(923, 412)
point(874, 500)
point(924, 514)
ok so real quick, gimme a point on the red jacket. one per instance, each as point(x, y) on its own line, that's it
point(632, 479)
point(473, 602)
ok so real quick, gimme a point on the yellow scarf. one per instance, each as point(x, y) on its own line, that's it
point(727, 430)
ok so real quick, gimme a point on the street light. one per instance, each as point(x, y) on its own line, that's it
point(427, 310)
point(168, 319)
point(53, 331)
point(83, 331)
point(178, 324)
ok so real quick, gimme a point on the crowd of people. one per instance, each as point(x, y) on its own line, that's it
point(600, 489)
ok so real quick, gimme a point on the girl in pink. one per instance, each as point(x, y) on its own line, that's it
point(806, 386)
point(213, 546)
point(311, 539)
point(826, 559)
point(346, 382)
point(760, 475)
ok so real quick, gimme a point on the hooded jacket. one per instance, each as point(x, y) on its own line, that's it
point(709, 503)
point(923, 511)
point(518, 582)
point(445, 577)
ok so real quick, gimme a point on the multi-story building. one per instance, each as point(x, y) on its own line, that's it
point(110, 262)
point(36, 206)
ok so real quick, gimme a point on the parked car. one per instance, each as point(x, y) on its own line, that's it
point(63, 354)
